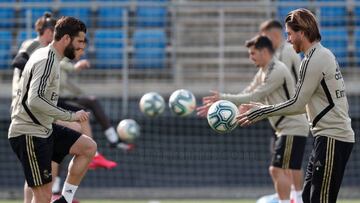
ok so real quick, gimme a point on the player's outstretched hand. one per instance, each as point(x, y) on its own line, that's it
point(212, 98)
point(244, 111)
point(82, 116)
point(207, 102)
point(202, 110)
point(82, 64)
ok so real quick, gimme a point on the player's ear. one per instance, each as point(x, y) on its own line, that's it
point(302, 34)
point(67, 39)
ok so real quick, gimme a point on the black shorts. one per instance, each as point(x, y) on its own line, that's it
point(288, 152)
point(36, 154)
point(325, 169)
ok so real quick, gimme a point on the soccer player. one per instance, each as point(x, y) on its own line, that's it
point(321, 90)
point(286, 54)
point(44, 26)
point(72, 97)
point(32, 135)
point(273, 83)
point(66, 66)
point(283, 50)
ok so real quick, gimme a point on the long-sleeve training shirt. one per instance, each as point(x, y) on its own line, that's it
point(286, 54)
point(35, 104)
point(321, 89)
point(67, 87)
point(273, 84)
point(28, 47)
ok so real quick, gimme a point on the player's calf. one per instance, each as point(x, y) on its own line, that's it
point(42, 194)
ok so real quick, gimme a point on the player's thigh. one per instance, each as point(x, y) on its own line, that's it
point(288, 152)
point(35, 155)
point(64, 139)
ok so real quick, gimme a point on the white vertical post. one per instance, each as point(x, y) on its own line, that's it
point(177, 68)
point(125, 68)
point(28, 19)
point(221, 50)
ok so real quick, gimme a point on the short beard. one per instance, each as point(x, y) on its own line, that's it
point(69, 51)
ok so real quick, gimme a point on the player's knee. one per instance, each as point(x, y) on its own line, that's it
point(84, 146)
point(89, 147)
point(274, 171)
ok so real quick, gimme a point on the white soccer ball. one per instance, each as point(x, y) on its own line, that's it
point(128, 130)
point(152, 104)
point(182, 102)
point(221, 116)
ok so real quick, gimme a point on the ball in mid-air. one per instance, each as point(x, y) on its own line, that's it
point(182, 102)
point(128, 130)
point(152, 104)
point(221, 116)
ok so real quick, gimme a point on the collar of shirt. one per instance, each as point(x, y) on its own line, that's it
point(58, 56)
point(270, 64)
point(317, 44)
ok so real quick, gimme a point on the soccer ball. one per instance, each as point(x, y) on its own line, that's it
point(128, 130)
point(182, 102)
point(221, 116)
point(152, 104)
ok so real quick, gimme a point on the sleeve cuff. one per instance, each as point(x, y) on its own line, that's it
point(72, 116)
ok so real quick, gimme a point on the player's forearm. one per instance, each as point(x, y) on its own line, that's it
point(290, 107)
point(46, 107)
point(294, 109)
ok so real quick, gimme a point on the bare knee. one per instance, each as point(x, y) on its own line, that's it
point(274, 171)
point(85, 146)
point(90, 147)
